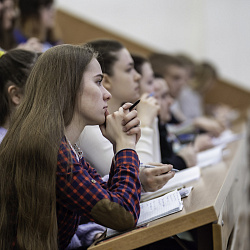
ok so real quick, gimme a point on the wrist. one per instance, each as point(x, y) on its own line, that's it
point(122, 144)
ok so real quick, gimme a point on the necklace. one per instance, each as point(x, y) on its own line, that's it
point(78, 152)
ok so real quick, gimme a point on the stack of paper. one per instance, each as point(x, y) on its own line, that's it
point(210, 156)
point(226, 137)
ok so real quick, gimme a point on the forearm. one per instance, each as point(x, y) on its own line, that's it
point(115, 206)
point(144, 146)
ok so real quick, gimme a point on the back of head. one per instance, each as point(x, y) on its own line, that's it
point(205, 74)
point(107, 50)
point(15, 66)
point(160, 62)
point(28, 153)
point(188, 63)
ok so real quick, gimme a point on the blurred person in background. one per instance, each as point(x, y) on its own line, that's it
point(175, 73)
point(186, 155)
point(37, 19)
point(15, 66)
point(8, 17)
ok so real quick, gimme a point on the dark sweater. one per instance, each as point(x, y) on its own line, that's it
point(168, 156)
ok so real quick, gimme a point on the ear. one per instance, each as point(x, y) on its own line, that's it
point(106, 82)
point(15, 94)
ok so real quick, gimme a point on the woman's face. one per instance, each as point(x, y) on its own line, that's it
point(9, 14)
point(147, 79)
point(125, 79)
point(47, 14)
point(162, 94)
point(92, 98)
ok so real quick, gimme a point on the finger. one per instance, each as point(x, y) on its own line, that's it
point(126, 105)
point(129, 116)
point(133, 123)
point(159, 170)
point(161, 180)
point(133, 131)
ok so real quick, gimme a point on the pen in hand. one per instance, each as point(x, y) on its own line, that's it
point(130, 109)
point(151, 166)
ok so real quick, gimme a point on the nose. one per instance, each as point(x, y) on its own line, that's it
point(170, 100)
point(137, 76)
point(106, 95)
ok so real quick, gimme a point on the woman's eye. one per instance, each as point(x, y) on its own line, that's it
point(99, 82)
point(129, 69)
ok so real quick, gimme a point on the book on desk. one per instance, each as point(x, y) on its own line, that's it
point(156, 208)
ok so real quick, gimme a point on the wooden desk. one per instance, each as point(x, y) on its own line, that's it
point(215, 208)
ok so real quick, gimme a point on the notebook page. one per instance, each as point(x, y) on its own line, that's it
point(159, 207)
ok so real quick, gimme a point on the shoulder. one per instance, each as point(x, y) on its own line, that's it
point(65, 158)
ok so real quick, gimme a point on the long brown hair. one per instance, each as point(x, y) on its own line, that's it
point(28, 153)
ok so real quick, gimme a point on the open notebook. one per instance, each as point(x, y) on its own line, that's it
point(180, 179)
point(156, 208)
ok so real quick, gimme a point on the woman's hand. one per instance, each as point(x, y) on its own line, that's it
point(153, 179)
point(188, 153)
point(32, 44)
point(203, 142)
point(147, 109)
point(122, 128)
point(210, 125)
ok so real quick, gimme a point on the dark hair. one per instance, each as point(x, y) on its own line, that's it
point(138, 62)
point(30, 21)
point(30, 8)
point(187, 62)
point(15, 66)
point(204, 73)
point(28, 152)
point(7, 40)
point(160, 62)
point(107, 50)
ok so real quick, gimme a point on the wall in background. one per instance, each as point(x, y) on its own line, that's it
point(217, 31)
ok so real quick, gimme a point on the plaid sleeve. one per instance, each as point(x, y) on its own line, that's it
point(80, 187)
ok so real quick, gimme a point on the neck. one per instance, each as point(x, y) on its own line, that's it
point(7, 123)
point(113, 105)
point(73, 131)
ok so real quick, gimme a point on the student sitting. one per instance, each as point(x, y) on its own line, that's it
point(186, 157)
point(46, 185)
point(15, 66)
point(175, 73)
point(123, 82)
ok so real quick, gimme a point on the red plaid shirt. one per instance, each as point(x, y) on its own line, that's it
point(80, 187)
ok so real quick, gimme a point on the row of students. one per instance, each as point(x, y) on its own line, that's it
point(176, 73)
point(125, 84)
point(34, 138)
point(119, 71)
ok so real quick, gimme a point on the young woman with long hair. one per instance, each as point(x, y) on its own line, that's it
point(46, 185)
